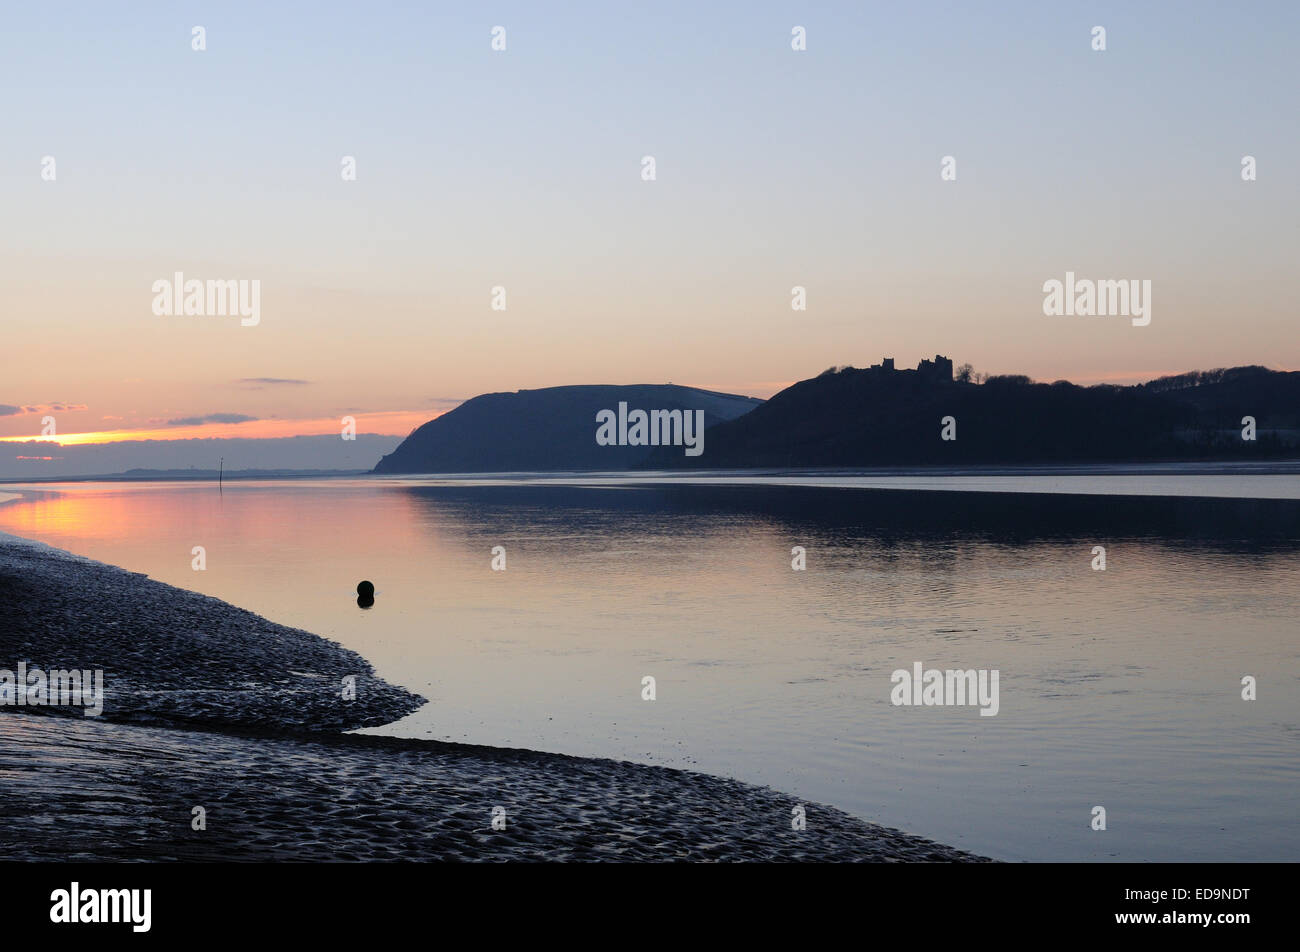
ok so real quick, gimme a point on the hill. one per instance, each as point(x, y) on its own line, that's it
point(552, 429)
point(882, 416)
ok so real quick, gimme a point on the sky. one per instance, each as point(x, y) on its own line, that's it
point(522, 169)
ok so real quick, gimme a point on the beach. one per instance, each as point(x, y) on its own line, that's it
point(214, 717)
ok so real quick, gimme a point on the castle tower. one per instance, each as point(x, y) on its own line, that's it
point(938, 370)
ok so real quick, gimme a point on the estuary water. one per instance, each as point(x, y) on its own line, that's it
point(1120, 688)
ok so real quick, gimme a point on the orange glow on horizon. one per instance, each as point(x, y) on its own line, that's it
point(385, 423)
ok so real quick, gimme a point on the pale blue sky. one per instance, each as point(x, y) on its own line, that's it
point(521, 169)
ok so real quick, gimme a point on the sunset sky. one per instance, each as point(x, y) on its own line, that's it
point(522, 169)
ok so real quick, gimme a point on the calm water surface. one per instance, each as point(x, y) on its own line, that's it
point(1118, 688)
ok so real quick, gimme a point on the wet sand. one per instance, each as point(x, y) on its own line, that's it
point(207, 705)
point(170, 656)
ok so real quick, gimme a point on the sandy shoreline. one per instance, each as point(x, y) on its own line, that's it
point(207, 705)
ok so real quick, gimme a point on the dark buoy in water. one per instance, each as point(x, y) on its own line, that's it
point(365, 594)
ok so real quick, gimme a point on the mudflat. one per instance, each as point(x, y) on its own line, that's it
point(222, 739)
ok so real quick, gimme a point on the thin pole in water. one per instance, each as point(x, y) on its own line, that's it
point(221, 472)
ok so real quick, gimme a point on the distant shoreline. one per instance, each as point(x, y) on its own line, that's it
point(210, 705)
point(202, 475)
point(1244, 480)
point(1285, 467)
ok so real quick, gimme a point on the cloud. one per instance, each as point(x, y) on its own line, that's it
point(288, 381)
point(43, 408)
point(212, 418)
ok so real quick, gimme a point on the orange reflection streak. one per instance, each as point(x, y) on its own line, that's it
point(94, 516)
point(388, 423)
